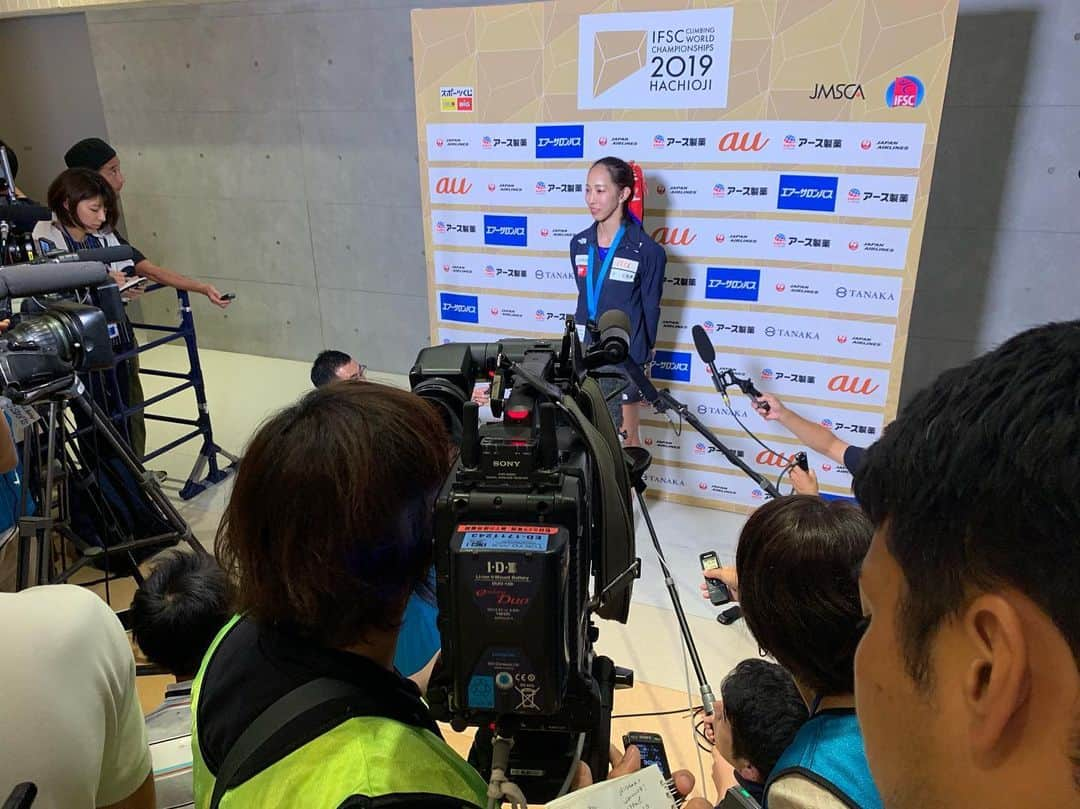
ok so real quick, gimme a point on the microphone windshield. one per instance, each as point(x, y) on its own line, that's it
point(703, 344)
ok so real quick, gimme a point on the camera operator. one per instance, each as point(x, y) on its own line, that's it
point(331, 366)
point(96, 155)
point(326, 534)
point(796, 562)
point(967, 679)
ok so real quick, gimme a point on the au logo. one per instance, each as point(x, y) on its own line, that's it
point(683, 237)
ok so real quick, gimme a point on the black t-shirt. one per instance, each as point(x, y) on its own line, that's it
point(253, 666)
point(853, 458)
point(136, 254)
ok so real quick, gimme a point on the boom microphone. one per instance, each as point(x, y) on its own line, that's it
point(707, 353)
point(106, 255)
point(23, 280)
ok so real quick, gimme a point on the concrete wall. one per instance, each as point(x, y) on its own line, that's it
point(49, 96)
point(271, 146)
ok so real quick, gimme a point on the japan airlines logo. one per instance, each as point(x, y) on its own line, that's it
point(866, 145)
point(853, 246)
point(602, 141)
point(439, 142)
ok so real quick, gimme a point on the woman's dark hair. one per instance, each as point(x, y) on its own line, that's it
point(179, 609)
point(798, 561)
point(329, 525)
point(78, 185)
point(622, 176)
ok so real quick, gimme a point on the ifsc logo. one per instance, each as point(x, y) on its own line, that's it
point(807, 192)
point(508, 231)
point(671, 365)
point(905, 91)
point(732, 284)
point(560, 142)
point(460, 308)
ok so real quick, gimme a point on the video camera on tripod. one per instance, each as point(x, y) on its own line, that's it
point(536, 508)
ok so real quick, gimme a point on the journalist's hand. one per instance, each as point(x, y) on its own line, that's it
point(776, 407)
point(725, 575)
point(211, 292)
point(804, 482)
point(630, 761)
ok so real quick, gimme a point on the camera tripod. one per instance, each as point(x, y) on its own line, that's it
point(64, 463)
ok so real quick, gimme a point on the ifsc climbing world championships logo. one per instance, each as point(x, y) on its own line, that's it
point(655, 60)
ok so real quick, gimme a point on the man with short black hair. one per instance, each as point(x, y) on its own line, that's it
point(331, 365)
point(756, 720)
point(175, 615)
point(967, 681)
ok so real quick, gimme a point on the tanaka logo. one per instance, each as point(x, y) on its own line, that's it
point(683, 237)
point(905, 91)
point(742, 142)
point(453, 185)
point(857, 386)
point(672, 365)
point(508, 231)
point(462, 308)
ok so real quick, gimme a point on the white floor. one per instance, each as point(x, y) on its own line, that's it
point(243, 389)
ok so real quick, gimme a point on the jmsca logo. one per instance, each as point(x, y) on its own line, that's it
point(837, 91)
point(509, 231)
point(672, 365)
point(807, 192)
point(453, 185)
point(732, 284)
point(905, 91)
point(560, 141)
point(462, 308)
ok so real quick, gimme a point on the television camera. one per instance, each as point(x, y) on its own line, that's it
point(534, 538)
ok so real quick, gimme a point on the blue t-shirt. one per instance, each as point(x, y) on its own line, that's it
point(11, 494)
point(419, 639)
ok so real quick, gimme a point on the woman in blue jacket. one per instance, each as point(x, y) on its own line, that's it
point(617, 266)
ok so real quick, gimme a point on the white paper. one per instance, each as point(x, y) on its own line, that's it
point(644, 789)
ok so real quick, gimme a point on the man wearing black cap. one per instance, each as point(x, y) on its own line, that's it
point(96, 155)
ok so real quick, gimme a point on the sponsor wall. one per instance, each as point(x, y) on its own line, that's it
point(788, 165)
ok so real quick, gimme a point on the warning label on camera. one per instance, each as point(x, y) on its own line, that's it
point(506, 537)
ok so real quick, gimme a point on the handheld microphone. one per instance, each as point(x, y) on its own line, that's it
point(707, 353)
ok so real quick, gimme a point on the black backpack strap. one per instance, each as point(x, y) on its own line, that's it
point(292, 721)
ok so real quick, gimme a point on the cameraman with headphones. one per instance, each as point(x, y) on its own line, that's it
point(327, 532)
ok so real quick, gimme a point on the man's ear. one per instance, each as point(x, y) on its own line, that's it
point(751, 773)
point(997, 676)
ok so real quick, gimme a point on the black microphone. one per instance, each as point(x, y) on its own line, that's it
point(24, 217)
point(707, 353)
point(703, 345)
point(659, 399)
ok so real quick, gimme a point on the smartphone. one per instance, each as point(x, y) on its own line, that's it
point(651, 747)
point(718, 591)
point(134, 282)
point(730, 615)
point(229, 296)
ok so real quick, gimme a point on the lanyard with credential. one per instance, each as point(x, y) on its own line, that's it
point(593, 285)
